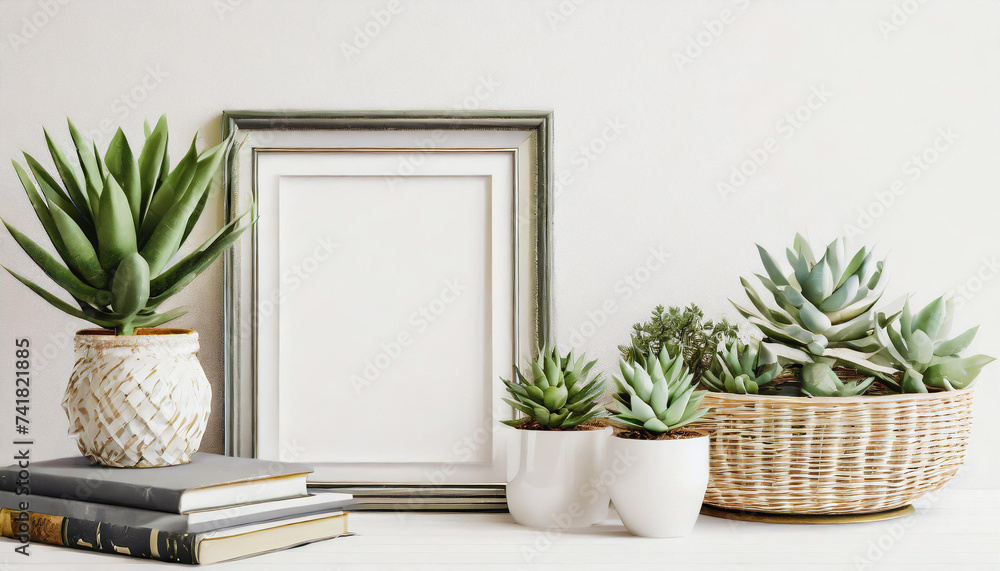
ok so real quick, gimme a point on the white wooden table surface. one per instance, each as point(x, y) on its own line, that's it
point(952, 530)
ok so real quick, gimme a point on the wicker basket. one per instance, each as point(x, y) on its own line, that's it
point(833, 455)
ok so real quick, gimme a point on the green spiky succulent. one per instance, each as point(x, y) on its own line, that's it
point(824, 308)
point(116, 223)
point(560, 395)
point(657, 395)
point(920, 347)
point(820, 380)
point(741, 368)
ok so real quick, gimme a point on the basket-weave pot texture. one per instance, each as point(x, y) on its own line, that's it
point(139, 400)
point(833, 455)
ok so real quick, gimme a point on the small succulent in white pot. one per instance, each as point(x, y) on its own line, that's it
point(558, 484)
point(660, 468)
point(138, 396)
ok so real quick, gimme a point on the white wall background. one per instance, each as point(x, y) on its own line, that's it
point(893, 76)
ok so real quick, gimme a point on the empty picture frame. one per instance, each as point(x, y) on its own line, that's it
point(399, 266)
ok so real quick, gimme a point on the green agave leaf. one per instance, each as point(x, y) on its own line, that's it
point(50, 188)
point(842, 296)
point(913, 382)
point(554, 398)
point(930, 318)
point(58, 303)
point(656, 426)
point(556, 419)
point(130, 286)
point(185, 271)
point(641, 410)
point(528, 411)
point(122, 166)
point(956, 373)
point(689, 419)
point(93, 179)
point(150, 163)
point(819, 284)
point(919, 347)
point(71, 181)
point(165, 240)
point(514, 389)
point(41, 210)
point(116, 227)
point(159, 318)
point(629, 422)
point(79, 254)
point(772, 267)
point(956, 345)
point(675, 412)
point(802, 247)
point(59, 273)
point(852, 268)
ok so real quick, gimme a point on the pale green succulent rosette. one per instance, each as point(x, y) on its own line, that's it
point(741, 368)
point(820, 380)
point(657, 396)
point(823, 312)
point(116, 223)
point(560, 395)
point(921, 348)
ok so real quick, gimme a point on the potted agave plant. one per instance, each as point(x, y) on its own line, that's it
point(138, 396)
point(871, 411)
point(660, 468)
point(562, 447)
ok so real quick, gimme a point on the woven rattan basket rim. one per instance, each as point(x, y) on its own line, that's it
point(823, 402)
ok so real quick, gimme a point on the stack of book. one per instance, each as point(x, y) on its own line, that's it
point(215, 508)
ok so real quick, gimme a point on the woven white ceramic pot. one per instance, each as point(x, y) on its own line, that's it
point(558, 483)
point(138, 401)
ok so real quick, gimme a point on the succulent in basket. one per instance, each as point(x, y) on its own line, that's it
point(823, 310)
point(920, 346)
point(560, 394)
point(657, 395)
point(741, 368)
point(684, 330)
point(117, 222)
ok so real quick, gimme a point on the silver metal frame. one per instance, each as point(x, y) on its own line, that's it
point(387, 495)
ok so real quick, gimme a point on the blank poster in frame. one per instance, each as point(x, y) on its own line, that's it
point(399, 266)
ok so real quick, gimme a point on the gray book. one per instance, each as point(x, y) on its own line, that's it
point(194, 522)
point(209, 481)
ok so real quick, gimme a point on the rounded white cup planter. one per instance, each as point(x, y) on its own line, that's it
point(558, 482)
point(138, 401)
point(659, 485)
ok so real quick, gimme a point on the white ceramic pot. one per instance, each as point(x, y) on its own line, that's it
point(558, 482)
point(140, 400)
point(658, 485)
